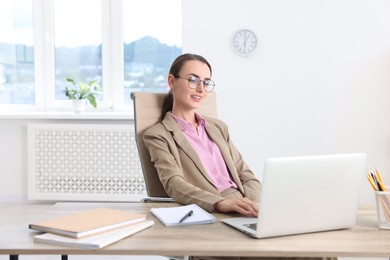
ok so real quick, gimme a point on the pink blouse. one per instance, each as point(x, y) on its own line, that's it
point(208, 152)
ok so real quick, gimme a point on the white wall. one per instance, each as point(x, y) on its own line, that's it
point(13, 160)
point(319, 82)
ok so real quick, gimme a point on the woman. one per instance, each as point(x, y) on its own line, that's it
point(194, 156)
point(195, 159)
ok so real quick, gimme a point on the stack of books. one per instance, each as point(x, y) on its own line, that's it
point(92, 229)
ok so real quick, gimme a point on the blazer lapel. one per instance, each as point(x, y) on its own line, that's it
point(215, 135)
point(184, 145)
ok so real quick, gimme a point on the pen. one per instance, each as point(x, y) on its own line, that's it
point(186, 216)
point(369, 177)
point(375, 181)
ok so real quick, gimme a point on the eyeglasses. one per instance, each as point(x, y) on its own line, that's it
point(194, 82)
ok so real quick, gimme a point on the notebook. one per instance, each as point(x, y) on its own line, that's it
point(183, 215)
point(97, 241)
point(306, 194)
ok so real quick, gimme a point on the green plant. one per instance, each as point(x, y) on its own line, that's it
point(83, 91)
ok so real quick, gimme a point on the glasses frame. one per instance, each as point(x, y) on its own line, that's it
point(198, 84)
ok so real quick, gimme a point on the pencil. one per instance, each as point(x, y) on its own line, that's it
point(380, 180)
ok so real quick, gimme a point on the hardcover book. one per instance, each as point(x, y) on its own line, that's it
point(87, 223)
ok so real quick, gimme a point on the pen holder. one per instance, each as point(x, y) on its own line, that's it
point(383, 208)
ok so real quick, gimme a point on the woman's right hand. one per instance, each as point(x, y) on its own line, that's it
point(243, 206)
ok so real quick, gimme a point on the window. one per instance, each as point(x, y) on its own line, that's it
point(16, 53)
point(77, 42)
point(150, 49)
point(128, 45)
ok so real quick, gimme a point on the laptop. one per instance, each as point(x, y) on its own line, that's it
point(306, 194)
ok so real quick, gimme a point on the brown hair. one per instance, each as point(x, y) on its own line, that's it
point(175, 69)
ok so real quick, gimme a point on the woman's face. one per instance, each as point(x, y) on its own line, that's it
point(184, 97)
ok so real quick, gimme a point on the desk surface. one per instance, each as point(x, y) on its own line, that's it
point(217, 239)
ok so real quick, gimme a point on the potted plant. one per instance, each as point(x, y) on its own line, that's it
point(82, 93)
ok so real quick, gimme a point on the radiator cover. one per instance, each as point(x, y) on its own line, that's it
point(83, 162)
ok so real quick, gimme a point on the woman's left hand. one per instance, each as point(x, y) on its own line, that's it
point(243, 206)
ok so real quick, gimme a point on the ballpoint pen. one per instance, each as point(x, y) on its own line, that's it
point(379, 188)
point(371, 181)
point(186, 216)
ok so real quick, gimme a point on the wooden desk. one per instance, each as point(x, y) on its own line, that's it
point(364, 240)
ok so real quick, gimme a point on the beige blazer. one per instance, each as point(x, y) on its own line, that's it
point(181, 171)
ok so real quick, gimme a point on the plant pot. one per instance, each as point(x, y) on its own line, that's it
point(79, 105)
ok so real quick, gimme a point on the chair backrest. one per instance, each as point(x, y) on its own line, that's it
point(147, 112)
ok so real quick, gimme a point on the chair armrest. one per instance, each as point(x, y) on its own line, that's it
point(156, 199)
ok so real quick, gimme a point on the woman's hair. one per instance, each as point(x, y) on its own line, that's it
point(175, 70)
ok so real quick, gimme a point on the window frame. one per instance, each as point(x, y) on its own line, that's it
point(44, 61)
point(113, 96)
point(112, 57)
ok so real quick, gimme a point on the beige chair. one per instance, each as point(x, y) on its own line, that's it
point(147, 111)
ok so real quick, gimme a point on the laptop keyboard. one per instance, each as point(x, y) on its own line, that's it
point(251, 226)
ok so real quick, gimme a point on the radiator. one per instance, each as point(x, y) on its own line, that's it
point(83, 162)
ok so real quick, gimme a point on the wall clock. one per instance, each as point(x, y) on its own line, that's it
point(244, 42)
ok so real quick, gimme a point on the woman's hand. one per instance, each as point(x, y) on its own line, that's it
point(243, 206)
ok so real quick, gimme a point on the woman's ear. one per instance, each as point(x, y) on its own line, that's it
point(171, 80)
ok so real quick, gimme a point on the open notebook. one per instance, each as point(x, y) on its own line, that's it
point(183, 215)
point(306, 194)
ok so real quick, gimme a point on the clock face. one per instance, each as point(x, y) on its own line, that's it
point(244, 42)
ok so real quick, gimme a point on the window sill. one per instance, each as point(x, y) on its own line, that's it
point(68, 115)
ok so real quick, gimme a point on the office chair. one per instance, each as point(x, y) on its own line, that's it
point(147, 111)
